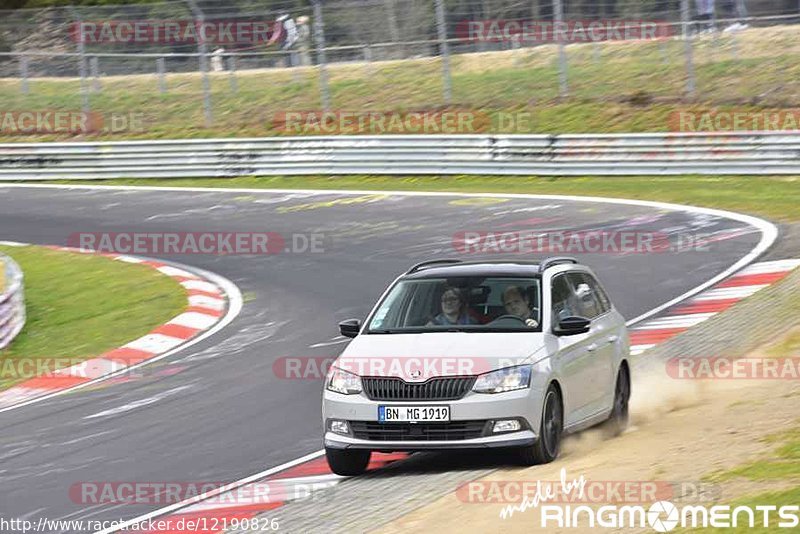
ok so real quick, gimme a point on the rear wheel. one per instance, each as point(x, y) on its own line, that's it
point(618, 420)
point(346, 462)
point(547, 447)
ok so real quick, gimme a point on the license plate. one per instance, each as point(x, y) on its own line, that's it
point(413, 414)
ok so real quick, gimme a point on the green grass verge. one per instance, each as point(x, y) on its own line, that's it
point(614, 87)
point(789, 345)
point(80, 306)
point(782, 463)
point(773, 197)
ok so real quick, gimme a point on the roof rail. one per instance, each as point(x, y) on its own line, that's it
point(428, 263)
point(555, 260)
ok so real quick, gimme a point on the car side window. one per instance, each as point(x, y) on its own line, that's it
point(585, 289)
point(561, 299)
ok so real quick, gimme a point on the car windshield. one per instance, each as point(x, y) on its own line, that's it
point(469, 304)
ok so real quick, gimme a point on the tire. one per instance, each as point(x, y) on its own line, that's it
point(547, 447)
point(346, 462)
point(618, 420)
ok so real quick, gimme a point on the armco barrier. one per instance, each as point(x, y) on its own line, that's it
point(553, 155)
point(12, 301)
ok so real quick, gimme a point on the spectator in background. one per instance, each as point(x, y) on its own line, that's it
point(705, 14)
point(304, 40)
point(290, 36)
point(738, 10)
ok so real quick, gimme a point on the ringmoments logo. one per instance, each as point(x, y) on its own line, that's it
point(661, 516)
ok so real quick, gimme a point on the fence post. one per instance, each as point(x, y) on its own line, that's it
point(368, 57)
point(444, 49)
point(563, 85)
point(202, 49)
point(319, 39)
point(232, 76)
point(734, 46)
point(94, 68)
point(81, 63)
point(23, 73)
point(662, 46)
point(162, 81)
point(687, 47)
point(394, 33)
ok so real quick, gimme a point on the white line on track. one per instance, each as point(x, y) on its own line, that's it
point(139, 403)
point(769, 233)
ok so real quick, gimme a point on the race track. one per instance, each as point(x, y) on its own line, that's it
point(232, 416)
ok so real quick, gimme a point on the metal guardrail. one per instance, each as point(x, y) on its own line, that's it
point(744, 153)
point(12, 301)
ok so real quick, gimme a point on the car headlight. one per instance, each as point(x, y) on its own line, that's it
point(343, 382)
point(507, 379)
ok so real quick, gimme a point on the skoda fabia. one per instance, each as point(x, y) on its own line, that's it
point(466, 355)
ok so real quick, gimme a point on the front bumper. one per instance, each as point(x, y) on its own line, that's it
point(521, 438)
point(522, 404)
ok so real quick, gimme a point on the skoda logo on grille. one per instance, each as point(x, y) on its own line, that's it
point(415, 374)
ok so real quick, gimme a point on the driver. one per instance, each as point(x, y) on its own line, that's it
point(517, 303)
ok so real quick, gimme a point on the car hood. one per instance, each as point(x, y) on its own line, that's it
point(417, 357)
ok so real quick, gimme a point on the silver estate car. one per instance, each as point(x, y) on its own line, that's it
point(475, 354)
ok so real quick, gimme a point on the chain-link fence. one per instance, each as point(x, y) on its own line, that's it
point(195, 66)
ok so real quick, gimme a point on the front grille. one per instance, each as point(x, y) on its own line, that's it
point(452, 431)
point(397, 389)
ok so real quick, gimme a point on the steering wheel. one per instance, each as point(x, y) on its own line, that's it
point(508, 316)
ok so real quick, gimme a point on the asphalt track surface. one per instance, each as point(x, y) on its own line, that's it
point(222, 413)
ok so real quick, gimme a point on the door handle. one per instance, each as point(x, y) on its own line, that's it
point(613, 339)
point(591, 348)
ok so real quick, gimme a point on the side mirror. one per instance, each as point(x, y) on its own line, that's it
point(569, 326)
point(350, 327)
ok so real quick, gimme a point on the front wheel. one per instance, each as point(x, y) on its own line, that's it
point(618, 420)
point(346, 462)
point(547, 447)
